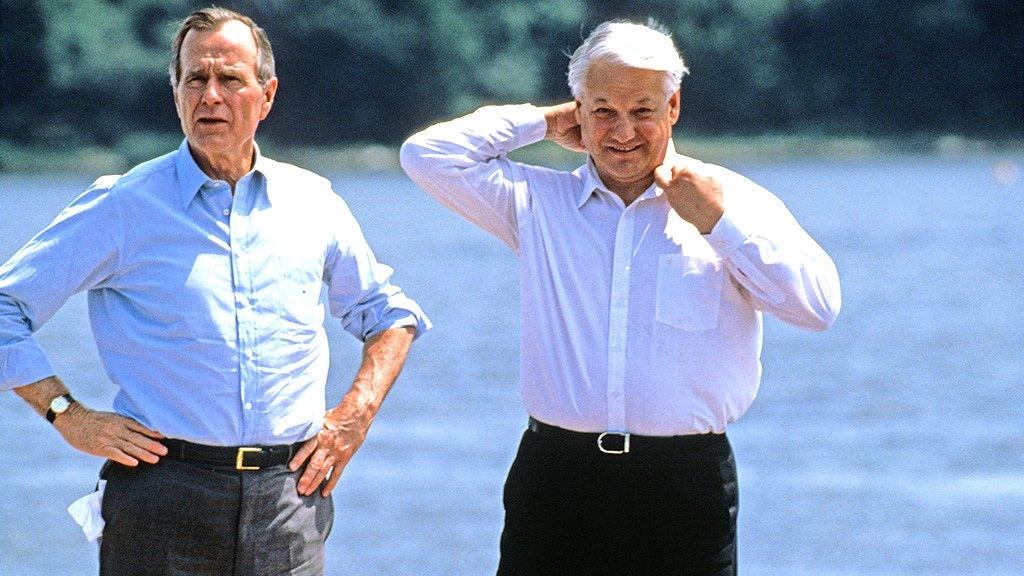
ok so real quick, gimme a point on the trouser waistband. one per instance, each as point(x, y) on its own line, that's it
point(622, 443)
point(239, 458)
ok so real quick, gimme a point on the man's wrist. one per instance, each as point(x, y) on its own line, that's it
point(58, 406)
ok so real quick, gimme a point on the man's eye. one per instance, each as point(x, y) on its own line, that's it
point(603, 112)
point(644, 112)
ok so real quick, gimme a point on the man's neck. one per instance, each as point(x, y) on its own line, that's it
point(227, 167)
point(628, 192)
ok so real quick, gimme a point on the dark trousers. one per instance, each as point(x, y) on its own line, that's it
point(572, 510)
point(179, 519)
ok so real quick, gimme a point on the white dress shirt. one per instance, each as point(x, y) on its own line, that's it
point(632, 321)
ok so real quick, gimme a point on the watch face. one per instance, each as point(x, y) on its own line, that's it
point(59, 405)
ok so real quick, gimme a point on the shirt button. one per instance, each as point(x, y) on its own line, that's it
point(226, 212)
point(248, 405)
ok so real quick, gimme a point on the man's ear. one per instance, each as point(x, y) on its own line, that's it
point(673, 106)
point(177, 104)
point(576, 112)
point(268, 97)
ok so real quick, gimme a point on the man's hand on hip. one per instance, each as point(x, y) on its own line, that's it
point(102, 434)
point(345, 426)
point(327, 453)
point(109, 435)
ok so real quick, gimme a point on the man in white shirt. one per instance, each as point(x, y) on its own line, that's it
point(644, 275)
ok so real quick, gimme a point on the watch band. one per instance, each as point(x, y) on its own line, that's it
point(58, 405)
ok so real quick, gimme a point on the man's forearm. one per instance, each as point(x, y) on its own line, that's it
point(384, 356)
point(346, 425)
point(40, 394)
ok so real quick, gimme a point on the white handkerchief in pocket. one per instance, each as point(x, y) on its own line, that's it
point(87, 512)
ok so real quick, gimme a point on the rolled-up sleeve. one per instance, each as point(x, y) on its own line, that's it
point(359, 288)
point(77, 251)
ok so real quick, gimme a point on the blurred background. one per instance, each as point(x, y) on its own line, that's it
point(892, 444)
point(91, 74)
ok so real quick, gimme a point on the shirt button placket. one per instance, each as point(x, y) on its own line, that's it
point(248, 374)
point(618, 316)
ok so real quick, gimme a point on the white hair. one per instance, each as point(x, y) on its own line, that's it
point(648, 47)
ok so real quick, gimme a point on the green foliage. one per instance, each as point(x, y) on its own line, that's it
point(93, 72)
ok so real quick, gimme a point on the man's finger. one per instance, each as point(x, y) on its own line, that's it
point(663, 175)
point(140, 453)
point(311, 478)
point(145, 443)
point(135, 426)
point(303, 454)
point(332, 481)
point(119, 456)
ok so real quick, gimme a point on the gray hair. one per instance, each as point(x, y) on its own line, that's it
point(211, 19)
point(643, 46)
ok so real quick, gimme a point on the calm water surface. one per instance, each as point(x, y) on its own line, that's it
point(891, 445)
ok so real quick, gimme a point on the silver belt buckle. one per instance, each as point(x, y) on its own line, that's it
point(625, 442)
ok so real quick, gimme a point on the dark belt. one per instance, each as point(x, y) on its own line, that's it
point(622, 443)
point(240, 458)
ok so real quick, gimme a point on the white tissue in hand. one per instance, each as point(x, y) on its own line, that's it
point(87, 512)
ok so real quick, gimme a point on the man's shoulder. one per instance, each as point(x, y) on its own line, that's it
point(137, 180)
point(557, 189)
point(303, 189)
point(290, 172)
point(139, 177)
point(545, 176)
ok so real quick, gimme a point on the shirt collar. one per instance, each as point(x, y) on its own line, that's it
point(592, 182)
point(191, 177)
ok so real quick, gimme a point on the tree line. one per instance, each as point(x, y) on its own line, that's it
point(93, 72)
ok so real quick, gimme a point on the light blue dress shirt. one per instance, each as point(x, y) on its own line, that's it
point(205, 305)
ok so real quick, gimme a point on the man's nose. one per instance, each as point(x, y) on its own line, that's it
point(623, 129)
point(211, 93)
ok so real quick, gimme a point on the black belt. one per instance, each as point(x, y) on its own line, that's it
point(621, 442)
point(240, 458)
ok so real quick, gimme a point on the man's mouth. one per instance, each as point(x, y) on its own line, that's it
point(210, 121)
point(620, 149)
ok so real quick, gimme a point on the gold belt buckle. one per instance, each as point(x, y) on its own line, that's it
point(240, 458)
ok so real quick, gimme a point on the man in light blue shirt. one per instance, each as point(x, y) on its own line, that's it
point(204, 270)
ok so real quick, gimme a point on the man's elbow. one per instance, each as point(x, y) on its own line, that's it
point(824, 318)
point(411, 156)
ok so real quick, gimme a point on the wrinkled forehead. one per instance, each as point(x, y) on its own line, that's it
point(231, 45)
point(617, 83)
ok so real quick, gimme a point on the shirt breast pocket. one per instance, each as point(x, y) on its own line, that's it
point(298, 291)
point(689, 292)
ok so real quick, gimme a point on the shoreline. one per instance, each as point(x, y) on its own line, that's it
point(15, 159)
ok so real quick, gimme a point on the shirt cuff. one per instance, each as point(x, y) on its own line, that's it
point(400, 318)
point(23, 363)
point(531, 124)
point(726, 237)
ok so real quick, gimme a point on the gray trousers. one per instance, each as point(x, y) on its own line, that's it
point(180, 519)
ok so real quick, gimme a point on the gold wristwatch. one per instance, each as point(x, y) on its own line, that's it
point(59, 405)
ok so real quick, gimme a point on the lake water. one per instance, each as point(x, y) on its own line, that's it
point(892, 444)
